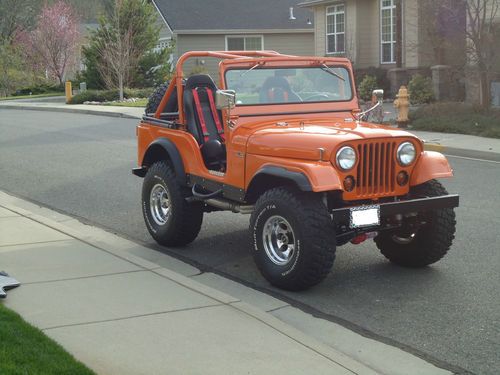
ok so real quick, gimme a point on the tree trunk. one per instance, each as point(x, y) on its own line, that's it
point(484, 85)
point(120, 86)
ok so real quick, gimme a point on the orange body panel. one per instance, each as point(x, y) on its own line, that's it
point(321, 174)
point(300, 137)
point(430, 165)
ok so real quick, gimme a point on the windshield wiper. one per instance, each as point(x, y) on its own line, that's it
point(327, 69)
point(249, 70)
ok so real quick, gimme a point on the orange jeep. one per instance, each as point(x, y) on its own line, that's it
point(282, 138)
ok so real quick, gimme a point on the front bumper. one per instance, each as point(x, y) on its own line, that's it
point(342, 216)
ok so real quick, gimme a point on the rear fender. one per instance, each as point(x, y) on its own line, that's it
point(430, 165)
point(165, 149)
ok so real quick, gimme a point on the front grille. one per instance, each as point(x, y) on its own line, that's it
point(376, 169)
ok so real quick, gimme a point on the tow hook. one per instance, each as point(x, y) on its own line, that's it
point(363, 237)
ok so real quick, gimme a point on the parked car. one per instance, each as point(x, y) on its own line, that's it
point(282, 138)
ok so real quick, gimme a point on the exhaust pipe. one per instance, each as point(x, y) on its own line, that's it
point(229, 206)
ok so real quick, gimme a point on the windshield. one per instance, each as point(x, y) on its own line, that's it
point(261, 85)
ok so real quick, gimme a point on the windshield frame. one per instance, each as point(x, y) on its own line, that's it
point(298, 66)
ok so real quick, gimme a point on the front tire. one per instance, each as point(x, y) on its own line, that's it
point(294, 238)
point(419, 246)
point(170, 220)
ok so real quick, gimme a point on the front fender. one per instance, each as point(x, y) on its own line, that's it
point(429, 166)
point(321, 175)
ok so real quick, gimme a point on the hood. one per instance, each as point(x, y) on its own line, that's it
point(302, 140)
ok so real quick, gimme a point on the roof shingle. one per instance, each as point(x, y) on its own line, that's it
point(233, 14)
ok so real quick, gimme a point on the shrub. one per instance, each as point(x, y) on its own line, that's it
point(42, 88)
point(421, 90)
point(366, 87)
point(379, 73)
point(109, 95)
point(138, 93)
point(88, 96)
point(456, 118)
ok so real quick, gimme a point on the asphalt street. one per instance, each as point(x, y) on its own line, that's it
point(449, 312)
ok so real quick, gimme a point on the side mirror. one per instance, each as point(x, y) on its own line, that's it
point(379, 94)
point(225, 99)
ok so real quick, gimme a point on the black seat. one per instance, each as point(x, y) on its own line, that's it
point(204, 121)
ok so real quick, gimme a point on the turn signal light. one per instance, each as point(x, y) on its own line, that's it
point(402, 178)
point(349, 183)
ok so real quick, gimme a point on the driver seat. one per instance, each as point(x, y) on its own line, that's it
point(204, 121)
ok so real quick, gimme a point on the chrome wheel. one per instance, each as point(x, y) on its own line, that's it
point(279, 240)
point(159, 204)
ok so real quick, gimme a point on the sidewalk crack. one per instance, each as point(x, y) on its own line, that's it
point(132, 317)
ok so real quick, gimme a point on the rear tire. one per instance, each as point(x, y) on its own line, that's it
point(294, 238)
point(424, 245)
point(170, 220)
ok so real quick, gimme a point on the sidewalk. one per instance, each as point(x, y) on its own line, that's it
point(451, 144)
point(98, 296)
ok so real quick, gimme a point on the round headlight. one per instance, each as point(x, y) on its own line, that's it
point(346, 158)
point(406, 153)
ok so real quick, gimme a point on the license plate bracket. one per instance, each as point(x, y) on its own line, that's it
point(364, 216)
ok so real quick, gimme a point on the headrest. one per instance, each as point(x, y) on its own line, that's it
point(200, 80)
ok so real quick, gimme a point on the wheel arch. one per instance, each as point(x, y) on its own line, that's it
point(163, 149)
point(271, 176)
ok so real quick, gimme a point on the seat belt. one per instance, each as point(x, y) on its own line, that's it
point(213, 109)
point(199, 110)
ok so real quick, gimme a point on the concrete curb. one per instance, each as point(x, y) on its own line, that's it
point(70, 110)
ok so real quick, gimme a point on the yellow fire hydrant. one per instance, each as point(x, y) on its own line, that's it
point(402, 104)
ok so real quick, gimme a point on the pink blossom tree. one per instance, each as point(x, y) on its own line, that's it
point(55, 42)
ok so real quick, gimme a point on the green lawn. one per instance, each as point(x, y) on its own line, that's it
point(32, 96)
point(26, 350)
point(138, 103)
point(457, 118)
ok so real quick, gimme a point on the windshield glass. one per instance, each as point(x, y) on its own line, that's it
point(289, 85)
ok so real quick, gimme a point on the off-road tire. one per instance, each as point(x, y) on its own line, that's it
point(156, 97)
point(314, 236)
point(183, 223)
point(431, 241)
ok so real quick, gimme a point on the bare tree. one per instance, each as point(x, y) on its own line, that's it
point(122, 38)
point(482, 25)
point(118, 56)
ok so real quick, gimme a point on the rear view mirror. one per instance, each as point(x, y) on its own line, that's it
point(225, 99)
point(379, 94)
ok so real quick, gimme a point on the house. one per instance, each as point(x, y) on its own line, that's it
point(387, 34)
point(225, 25)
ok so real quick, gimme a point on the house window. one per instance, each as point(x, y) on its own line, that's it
point(335, 29)
point(388, 31)
point(162, 44)
point(245, 43)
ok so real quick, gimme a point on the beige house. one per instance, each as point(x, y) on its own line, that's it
point(367, 32)
point(225, 25)
point(377, 33)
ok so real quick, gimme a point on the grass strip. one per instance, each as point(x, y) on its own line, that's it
point(25, 349)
